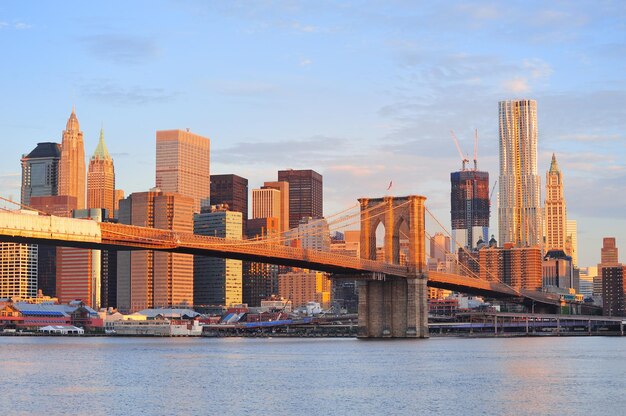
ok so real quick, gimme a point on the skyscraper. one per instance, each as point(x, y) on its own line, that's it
point(231, 190)
point(306, 197)
point(72, 162)
point(217, 281)
point(519, 199)
point(555, 209)
point(469, 200)
point(40, 171)
point(182, 165)
point(147, 279)
point(101, 179)
point(40, 179)
point(609, 251)
point(266, 203)
point(283, 187)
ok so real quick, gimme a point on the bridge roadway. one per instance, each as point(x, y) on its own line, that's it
point(70, 232)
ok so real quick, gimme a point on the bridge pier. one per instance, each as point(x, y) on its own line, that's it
point(393, 308)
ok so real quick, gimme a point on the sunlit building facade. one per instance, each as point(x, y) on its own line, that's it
point(302, 286)
point(283, 188)
point(469, 201)
point(40, 171)
point(183, 165)
point(147, 279)
point(18, 270)
point(555, 212)
point(217, 281)
point(101, 179)
point(518, 267)
point(520, 187)
point(72, 173)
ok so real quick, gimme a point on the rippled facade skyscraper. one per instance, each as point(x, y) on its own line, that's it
point(519, 207)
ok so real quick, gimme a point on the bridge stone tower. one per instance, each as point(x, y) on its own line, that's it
point(392, 306)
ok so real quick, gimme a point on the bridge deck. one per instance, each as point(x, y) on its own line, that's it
point(33, 229)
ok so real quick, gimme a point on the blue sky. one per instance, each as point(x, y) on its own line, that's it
point(363, 92)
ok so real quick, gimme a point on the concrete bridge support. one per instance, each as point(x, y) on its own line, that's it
point(394, 307)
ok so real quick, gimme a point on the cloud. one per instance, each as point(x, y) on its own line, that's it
point(301, 152)
point(121, 49)
point(107, 91)
point(305, 62)
point(517, 85)
point(17, 25)
point(537, 68)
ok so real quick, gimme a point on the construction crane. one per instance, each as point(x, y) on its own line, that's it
point(464, 159)
point(493, 188)
point(476, 149)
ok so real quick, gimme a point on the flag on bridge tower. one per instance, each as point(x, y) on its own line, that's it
point(390, 185)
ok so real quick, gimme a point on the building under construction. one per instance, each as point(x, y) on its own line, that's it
point(469, 202)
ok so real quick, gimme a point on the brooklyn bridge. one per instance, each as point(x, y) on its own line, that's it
point(393, 297)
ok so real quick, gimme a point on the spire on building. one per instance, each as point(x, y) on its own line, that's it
point(554, 167)
point(72, 122)
point(101, 151)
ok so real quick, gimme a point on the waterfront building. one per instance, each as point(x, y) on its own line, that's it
point(519, 199)
point(101, 179)
point(40, 171)
point(303, 286)
point(231, 190)
point(555, 209)
point(469, 199)
point(613, 290)
point(518, 267)
point(217, 281)
point(18, 270)
point(306, 195)
point(72, 162)
point(147, 279)
point(283, 188)
point(571, 241)
point(182, 165)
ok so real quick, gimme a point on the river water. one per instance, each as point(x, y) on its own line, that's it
point(291, 376)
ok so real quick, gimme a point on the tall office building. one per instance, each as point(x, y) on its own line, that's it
point(613, 290)
point(147, 279)
point(40, 171)
point(609, 252)
point(101, 179)
point(182, 165)
point(79, 269)
point(72, 162)
point(571, 241)
point(555, 209)
point(283, 187)
point(217, 281)
point(520, 187)
point(60, 206)
point(469, 200)
point(40, 175)
point(306, 197)
point(231, 190)
point(266, 203)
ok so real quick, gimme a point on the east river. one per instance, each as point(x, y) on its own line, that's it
point(290, 376)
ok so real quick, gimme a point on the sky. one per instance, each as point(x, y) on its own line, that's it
point(364, 92)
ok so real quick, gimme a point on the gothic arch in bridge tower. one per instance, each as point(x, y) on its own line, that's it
point(403, 218)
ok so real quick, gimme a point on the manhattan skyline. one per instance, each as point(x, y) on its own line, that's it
point(363, 94)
